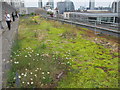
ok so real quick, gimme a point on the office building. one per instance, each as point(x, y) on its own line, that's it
point(116, 6)
point(15, 3)
point(50, 3)
point(40, 4)
point(66, 6)
point(92, 4)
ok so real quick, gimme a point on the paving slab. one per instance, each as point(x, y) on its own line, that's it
point(7, 38)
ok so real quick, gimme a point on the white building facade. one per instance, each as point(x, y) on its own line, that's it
point(50, 3)
point(40, 3)
point(92, 4)
point(116, 6)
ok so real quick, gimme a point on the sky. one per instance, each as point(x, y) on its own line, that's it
point(77, 3)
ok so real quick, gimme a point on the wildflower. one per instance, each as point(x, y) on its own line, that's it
point(31, 79)
point(37, 68)
point(68, 62)
point(42, 72)
point(43, 77)
point(37, 54)
point(28, 83)
point(14, 78)
point(22, 74)
point(11, 60)
point(48, 72)
point(18, 55)
point(17, 62)
point(25, 75)
point(25, 55)
point(31, 73)
point(19, 76)
point(31, 82)
point(23, 82)
point(35, 75)
point(26, 69)
point(29, 55)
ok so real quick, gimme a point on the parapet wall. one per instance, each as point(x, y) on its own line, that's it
point(4, 7)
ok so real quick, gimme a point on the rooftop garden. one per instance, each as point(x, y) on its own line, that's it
point(50, 54)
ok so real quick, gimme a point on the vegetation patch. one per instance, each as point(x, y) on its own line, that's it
point(49, 54)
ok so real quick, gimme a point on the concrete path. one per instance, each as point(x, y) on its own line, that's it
point(7, 38)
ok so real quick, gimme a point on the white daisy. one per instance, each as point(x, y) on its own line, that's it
point(37, 54)
point(42, 72)
point(48, 72)
point(14, 78)
point(11, 60)
point(25, 75)
point(19, 76)
point(31, 79)
point(43, 77)
point(22, 74)
point(31, 82)
point(35, 75)
point(28, 83)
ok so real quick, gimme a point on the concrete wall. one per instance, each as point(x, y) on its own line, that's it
point(0, 11)
point(4, 7)
point(7, 8)
point(27, 10)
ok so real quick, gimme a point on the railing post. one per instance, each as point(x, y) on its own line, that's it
point(95, 28)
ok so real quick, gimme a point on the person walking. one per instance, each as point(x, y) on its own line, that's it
point(16, 14)
point(13, 16)
point(8, 20)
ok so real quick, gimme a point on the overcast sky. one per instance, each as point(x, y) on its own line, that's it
point(77, 3)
